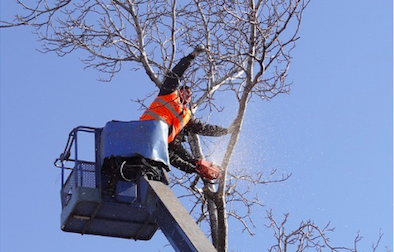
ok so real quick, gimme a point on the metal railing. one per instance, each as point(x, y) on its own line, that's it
point(82, 173)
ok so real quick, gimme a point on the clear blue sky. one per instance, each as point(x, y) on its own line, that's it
point(334, 133)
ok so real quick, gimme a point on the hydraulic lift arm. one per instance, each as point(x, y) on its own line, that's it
point(174, 220)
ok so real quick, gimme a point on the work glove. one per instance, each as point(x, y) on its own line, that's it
point(208, 169)
point(198, 50)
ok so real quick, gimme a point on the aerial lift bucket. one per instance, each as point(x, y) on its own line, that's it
point(124, 191)
point(95, 198)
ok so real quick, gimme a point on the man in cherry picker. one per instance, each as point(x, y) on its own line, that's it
point(171, 106)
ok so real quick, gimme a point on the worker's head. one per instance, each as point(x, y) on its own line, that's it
point(185, 93)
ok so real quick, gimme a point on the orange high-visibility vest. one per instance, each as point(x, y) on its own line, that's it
point(169, 109)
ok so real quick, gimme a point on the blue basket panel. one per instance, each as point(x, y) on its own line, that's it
point(75, 225)
point(136, 138)
point(87, 202)
point(109, 219)
point(85, 208)
point(123, 212)
point(122, 229)
point(113, 228)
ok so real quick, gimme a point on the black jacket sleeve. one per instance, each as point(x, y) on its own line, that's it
point(172, 80)
point(198, 127)
point(181, 158)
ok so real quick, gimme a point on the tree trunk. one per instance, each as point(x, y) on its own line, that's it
point(213, 216)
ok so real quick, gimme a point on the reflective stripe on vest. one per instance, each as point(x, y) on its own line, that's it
point(156, 116)
point(165, 108)
point(171, 108)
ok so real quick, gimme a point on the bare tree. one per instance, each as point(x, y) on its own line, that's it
point(249, 45)
point(308, 236)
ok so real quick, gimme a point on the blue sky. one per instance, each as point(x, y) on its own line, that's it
point(334, 133)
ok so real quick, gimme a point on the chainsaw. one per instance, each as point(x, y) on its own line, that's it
point(208, 170)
